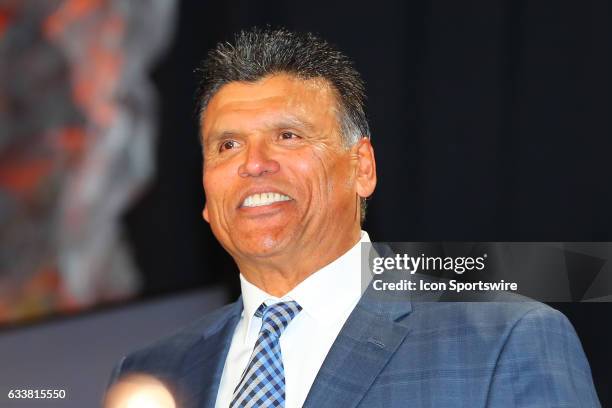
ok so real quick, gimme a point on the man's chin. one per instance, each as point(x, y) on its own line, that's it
point(263, 245)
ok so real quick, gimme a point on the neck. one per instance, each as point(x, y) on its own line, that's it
point(279, 274)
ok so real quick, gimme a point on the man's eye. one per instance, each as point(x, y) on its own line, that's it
point(228, 144)
point(288, 135)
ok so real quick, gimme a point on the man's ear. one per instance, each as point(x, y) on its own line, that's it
point(205, 213)
point(366, 168)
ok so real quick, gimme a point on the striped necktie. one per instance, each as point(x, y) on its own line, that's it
point(263, 383)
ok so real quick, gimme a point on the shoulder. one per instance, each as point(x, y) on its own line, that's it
point(539, 358)
point(168, 353)
point(502, 314)
point(518, 350)
point(493, 322)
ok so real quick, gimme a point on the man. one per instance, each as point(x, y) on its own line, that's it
point(288, 164)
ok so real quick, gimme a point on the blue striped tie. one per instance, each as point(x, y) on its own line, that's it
point(263, 383)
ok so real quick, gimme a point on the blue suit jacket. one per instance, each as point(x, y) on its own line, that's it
point(399, 352)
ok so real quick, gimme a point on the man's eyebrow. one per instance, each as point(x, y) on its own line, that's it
point(216, 136)
point(283, 122)
point(291, 121)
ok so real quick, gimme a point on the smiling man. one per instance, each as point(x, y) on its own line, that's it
point(283, 187)
point(288, 165)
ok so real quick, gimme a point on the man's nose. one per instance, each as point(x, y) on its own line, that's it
point(258, 162)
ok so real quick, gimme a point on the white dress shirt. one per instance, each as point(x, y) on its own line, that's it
point(327, 297)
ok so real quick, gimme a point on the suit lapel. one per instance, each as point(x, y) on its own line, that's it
point(203, 364)
point(369, 338)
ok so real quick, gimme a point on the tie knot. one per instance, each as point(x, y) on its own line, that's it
point(276, 317)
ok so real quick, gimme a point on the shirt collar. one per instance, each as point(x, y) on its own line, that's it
point(324, 295)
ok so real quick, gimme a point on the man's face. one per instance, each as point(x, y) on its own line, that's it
point(277, 177)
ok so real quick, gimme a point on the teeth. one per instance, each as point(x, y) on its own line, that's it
point(257, 200)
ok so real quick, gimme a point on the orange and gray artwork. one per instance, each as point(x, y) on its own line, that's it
point(77, 132)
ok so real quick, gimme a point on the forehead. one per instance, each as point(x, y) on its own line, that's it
point(255, 103)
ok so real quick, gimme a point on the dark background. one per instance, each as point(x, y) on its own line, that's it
point(491, 121)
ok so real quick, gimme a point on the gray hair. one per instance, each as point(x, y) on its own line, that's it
point(257, 53)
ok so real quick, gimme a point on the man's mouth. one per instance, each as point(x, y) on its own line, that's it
point(261, 199)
